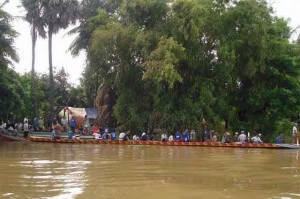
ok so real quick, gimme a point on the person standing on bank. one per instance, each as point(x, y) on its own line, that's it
point(295, 134)
point(86, 124)
point(64, 123)
point(26, 129)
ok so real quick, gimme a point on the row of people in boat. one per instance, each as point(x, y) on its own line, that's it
point(186, 136)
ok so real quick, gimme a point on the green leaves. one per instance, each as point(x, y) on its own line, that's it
point(57, 14)
point(162, 62)
point(8, 52)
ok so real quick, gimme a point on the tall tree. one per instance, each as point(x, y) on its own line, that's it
point(7, 35)
point(57, 14)
point(33, 17)
point(10, 89)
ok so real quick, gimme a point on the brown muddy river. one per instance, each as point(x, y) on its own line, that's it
point(59, 171)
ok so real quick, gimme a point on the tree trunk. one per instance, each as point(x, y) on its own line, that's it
point(51, 96)
point(33, 83)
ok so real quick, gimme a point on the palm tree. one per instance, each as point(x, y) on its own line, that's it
point(33, 16)
point(56, 15)
point(88, 9)
point(7, 35)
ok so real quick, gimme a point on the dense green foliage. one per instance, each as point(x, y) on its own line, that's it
point(172, 63)
point(9, 88)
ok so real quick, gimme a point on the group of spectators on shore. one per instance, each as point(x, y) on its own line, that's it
point(25, 125)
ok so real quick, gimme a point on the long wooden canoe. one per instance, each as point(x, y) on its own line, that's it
point(159, 143)
point(11, 137)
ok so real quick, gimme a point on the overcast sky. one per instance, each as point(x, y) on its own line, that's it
point(289, 9)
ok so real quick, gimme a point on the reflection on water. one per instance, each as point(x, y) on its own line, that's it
point(58, 171)
point(67, 180)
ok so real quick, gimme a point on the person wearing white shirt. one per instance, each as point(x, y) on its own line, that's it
point(164, 137)
point(10, 128)
point(242, 138)
point(193, 135)
point(97, 136)
point(121, 136)
point(20, 126)
point(295, 133)
point(26, 129)
point(3, 125)
point(64, 123)
point(256, 139)
point(135, 138)
point(171, 138)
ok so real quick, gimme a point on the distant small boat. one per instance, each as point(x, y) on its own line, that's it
point(159, 143)
point(11, 137)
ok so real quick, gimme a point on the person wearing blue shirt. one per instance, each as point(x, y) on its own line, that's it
point(279, 139)
point(113, 135)
point(178, 136)
point(104, 136)
point(186, 136)
point(106, 129)
point(70, 135)
point(73, 123)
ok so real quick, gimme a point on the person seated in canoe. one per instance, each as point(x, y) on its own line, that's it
point(186, 136)
point(144, 137)
point(178, 136)
point(124, 136)
point(121, 136)
point(215, 137)
point(70, 133)
point(151, 136)
point(135, 137)
point(236, 137)
point(106, 129)
point(57, 129)
point(193, 135)
point(164, 137)
point(96, 132)
point(279, 139)
point(96, 129)
point(171, 138)
point(113, 135)
point(256, 139)
point(226, 137)
point(97, 136)
point(104, 136)
point(242, 138)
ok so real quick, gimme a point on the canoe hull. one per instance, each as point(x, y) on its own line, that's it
point(158, 143)
point(11, 137)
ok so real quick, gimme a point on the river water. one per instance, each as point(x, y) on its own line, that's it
point(58, 171)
